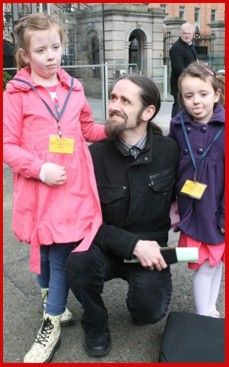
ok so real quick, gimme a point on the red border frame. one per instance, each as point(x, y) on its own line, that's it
point(227, 220)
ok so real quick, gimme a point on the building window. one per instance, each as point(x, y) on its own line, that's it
point(182, 12)
point(213, 15)
point(197, 16)
point(135, 49)
point(93, 53)
point(163, 7)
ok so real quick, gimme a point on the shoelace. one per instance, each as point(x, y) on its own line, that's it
point(45, 301)
point(43, 335)
point(45, 296)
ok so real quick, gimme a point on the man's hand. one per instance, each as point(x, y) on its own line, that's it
point(53, 174)
point(149, 255)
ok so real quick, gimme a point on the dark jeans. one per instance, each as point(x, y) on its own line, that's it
point(148, 295)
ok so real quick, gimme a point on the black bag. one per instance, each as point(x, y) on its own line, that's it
point(192, 338)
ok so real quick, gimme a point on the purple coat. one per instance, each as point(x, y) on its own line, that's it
point(201, 219)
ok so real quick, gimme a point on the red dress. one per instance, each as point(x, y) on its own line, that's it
point(211, 253)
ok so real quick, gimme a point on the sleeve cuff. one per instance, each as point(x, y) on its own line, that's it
point(42, 174)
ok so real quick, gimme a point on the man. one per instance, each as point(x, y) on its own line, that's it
point(135, 171)
point(181, 54)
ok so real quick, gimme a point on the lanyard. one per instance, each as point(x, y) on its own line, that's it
point(196, 164)
point(57, 116)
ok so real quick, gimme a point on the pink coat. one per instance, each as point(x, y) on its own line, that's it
point(43, 214)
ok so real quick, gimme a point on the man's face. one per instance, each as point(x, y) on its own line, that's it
point(187, 34)
point(125, 108)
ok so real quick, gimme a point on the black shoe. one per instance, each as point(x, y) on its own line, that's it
point(98, 346)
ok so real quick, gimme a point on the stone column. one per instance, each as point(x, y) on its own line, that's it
point(157, 43)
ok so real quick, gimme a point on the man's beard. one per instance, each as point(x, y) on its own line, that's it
point(115, 130)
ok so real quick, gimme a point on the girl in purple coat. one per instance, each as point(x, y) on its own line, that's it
point(199, 131)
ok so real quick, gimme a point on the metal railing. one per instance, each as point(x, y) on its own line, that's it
point(97, 78)
point(95, 81)
point(92, 80)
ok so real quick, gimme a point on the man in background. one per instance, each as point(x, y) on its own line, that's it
point(182, 53)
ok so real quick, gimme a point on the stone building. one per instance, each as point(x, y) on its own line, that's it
point(130, 37)
point(137, 37)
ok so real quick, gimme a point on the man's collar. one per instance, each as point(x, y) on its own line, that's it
point(127, 149)
point(140, 144)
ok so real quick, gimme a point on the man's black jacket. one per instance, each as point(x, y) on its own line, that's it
point(181, 55)
point(135, 194)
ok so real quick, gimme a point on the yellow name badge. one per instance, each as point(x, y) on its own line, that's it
point(193, 189)
point(59, 144)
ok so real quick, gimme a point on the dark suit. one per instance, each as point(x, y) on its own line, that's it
point(181, 55)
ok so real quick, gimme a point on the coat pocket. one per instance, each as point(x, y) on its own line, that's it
point(111, 194)
point(162, 181)
point(114, 203)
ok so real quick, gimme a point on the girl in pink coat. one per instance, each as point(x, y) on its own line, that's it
point(56, 209)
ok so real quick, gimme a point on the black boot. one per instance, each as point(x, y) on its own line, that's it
point(98, 346)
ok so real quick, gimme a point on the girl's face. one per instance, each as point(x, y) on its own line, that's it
point(199, 98)
point(44, 55)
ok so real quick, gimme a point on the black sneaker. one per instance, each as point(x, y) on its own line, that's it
point(98, 346)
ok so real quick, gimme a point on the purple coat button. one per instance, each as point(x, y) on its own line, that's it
point(200, 150)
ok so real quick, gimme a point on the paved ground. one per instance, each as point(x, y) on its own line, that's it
point(23, 309)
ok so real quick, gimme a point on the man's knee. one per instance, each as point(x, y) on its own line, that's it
point(84, 269)
point(147, 314)
point(149, 296)
point(78, 265)
point(155, 315)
